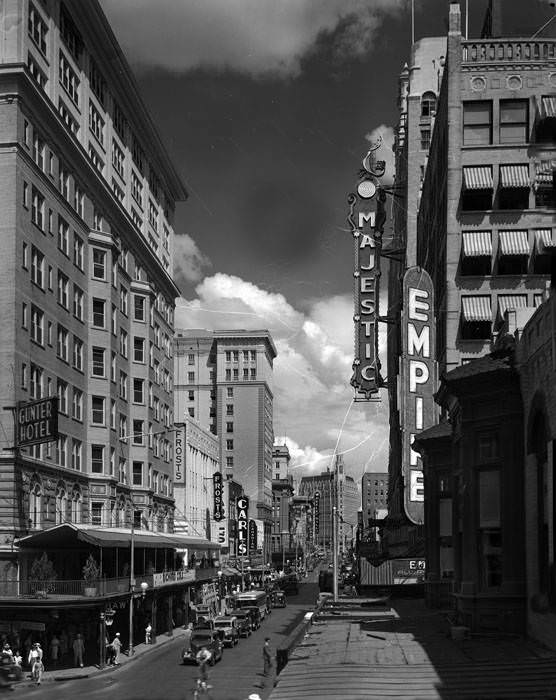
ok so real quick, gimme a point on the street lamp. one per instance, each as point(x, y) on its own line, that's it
point(220, 574)
point(284, 534)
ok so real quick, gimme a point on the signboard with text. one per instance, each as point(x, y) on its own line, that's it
point(37, 422)
point(316, 511)
point(242, 526)
point(218, 504)
point(417, 381)
point(179, 447)
point(252, 537)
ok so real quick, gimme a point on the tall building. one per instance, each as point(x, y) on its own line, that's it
point(374, 498)
point(88, 195)
point(323, 485)
point(282, 493)
point(223, 379)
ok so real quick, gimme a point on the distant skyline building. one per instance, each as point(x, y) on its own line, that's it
point(224, 380)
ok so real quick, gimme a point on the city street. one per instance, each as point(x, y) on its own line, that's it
point(158, 675)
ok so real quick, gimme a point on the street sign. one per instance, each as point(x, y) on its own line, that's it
point(37, 422)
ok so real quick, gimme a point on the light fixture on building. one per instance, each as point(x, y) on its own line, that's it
point(144, 586)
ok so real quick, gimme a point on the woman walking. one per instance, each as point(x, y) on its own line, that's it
point(35, 662)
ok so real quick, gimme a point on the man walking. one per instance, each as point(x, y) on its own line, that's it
point(117, 647)
point(78, 651)
point(267, 661)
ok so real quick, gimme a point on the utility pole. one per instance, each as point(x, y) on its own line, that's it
point(131, 579)
point(335, 534)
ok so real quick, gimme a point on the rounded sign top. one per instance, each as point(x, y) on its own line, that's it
point(366, 189)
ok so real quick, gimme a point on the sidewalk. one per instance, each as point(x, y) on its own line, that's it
point(68, 674)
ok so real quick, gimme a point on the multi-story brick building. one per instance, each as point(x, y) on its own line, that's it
point(223, 379)
point(282, 493)
point(374, 501)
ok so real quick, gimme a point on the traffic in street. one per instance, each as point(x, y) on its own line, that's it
point(160, 673)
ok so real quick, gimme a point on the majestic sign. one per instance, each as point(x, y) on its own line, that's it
point(37, 422)
point(366, 218)
point(316, 511)
point(252, 537)
point(242, 526)
point(407, 571)
point(218, 505)
point(179, 445)
point(417, 381)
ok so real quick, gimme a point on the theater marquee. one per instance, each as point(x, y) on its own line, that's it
point(417, 381)
point(366, 218)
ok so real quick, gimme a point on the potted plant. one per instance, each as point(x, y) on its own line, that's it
point(42, 576)
point(91, 575)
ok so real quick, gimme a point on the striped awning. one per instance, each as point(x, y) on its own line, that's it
point(513, 243)
point(547, 106)
point(476, 308)
point(514, 176)
point(477, 178)
point(538, 299)
point(544, 240)
point(477, 244)
point(544, 173)
point(511, 301)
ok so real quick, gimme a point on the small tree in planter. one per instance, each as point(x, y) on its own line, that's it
point(42, 575)
point(91, 575)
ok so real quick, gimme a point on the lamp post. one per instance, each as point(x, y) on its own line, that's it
point(148, 632)
point(220, 574)
point(131, 580)
point(284, 533)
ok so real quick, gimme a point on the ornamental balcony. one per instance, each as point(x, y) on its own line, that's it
point(508, 51)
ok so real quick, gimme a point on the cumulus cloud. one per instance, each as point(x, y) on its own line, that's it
point(386, 133)
point(313, 400)
point(189, 261)
point(249, 36)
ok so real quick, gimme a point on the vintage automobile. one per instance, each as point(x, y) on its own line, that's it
point(244, 621)
point(203, 637)
point(256, 617)
point(279, 600)
point(228, 626)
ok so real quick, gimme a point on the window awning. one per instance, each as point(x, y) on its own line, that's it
point(476, 309)
point(477, 244)
point(513, 243)
point(544, 173)
point(547, 106)
point(511, 301)
point(514, 176)
point(477, 178)
point(544, 240)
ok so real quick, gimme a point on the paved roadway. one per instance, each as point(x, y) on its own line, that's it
point(158, 676)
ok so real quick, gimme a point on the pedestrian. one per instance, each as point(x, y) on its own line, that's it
point(117, 647)
point(203, 658)
point(187, 636)
point(35, 662)
point(148, 633)
point(78, 650)
point(54, 650)
point(267, 661)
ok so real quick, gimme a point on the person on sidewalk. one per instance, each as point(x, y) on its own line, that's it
point(35, 661)
point(78, 651)
point(117, 648)
point(203, 659)
point(54, 650)
point(148, 633)
point(267, 661)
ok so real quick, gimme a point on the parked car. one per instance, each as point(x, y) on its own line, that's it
point(256, 618)
point(229, 629)
point(279, 599)
point(204, 637)
point(244, 622)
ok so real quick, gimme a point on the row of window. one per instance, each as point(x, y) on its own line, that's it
point(514, 255)
point(233, 356)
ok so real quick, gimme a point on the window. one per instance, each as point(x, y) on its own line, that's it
point(99, 264)
point(229, 427)
point(138, 430)
point(97, 410)
point(63, 236)
point(119, 121)
point(36, 73)
point(64, 183)
point(62, 393)
point(191, 359)
point(138, 390)
point(228, 375)
point(123, 343)
point(77, 355)
point(428, 104)
point(123, 385)
point(114, 320)
point(96, 81)
point(123, 300)
point(118, 191)
point(98, 313)
point(78, 200)
point(77, 251)
point(229, 409)
point(138, 349)
point(425, 139)
point(236, 375)
point(77, 302)
point(228, 355)
point(37, 325)
point(77, 404)
point(229, 444)
point(476, 318)
point(230, 392)
point(69, 79)
point(37, 208)
point(513, 252)
point(229, 462)
point(38, 150)
point(96, 160)
point(514, 121)
point(191, 377)
point(137, 473)
point(96, 123)
point(153, 215)
point(137, 189)
point(36, 382)
point(69, 34)
point(62, 343)
point(245, 374)
point(98, 364)
point(477, 123)
point(76, 451)
point(137, 154)
point(68, 119)
point(139, 308)
point(118, 158)
point(97, 466)
point(113, 367)
point(37, 28)
point(37, 267)
point(112, 414)
point(61, 454)
point(191, 411)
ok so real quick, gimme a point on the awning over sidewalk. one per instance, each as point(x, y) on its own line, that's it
point(477, 244)
point(513, 243)
point(68, 535)
point(514, 176)
point(477, 177)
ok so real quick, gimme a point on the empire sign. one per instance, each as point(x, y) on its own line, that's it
point(366, 218)
point(417, 381)
point(37, 422)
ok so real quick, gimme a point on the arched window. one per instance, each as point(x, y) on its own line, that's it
point(76, 505)
point(35, 503)
point(61, 503)
point(428, 104)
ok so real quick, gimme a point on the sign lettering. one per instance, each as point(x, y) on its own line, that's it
point(179, 439)
point(218, 505)
point(242, 526)
point(37, 422)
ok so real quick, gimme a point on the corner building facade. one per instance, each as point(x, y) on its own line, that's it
point(87, 305)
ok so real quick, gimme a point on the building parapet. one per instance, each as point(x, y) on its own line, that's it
point(498, 52)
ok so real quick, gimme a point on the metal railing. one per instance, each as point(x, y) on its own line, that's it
point(480, 51)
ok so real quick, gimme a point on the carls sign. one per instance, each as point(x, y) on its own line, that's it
point(218, 505)
point(242, 525)
point(37, 422)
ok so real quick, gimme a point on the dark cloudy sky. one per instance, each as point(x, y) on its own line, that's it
point(264, 106)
